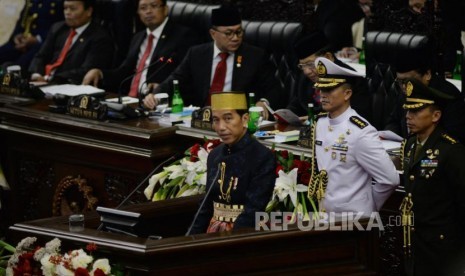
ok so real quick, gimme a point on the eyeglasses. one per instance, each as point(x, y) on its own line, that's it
point(230, 34)
point(308, 65)
point(153, 6)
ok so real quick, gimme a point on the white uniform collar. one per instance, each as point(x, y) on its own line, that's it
point(341, 118)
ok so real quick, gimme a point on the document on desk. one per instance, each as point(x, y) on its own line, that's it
point(71, 90)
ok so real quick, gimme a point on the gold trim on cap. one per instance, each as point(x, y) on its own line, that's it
point(416, 100)
point(228, 100)
point(413, 106)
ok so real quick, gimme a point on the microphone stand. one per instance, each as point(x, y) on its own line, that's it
point(140, 94)
point(203, 202)
point(172, 158)
point(120, 93)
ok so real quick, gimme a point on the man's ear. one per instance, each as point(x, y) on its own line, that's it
point(347, 94)
point(245, 119)
point(436, 116)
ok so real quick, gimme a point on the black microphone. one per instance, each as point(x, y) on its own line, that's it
point(172, 158)
point(203, 201)
point(122, 111)
point(140, 94)
point(120, 96)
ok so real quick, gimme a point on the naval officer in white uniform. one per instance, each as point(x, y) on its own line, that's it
point(348, 149)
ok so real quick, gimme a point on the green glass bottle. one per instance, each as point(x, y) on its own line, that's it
point(361, 58)
point(177, 104)
point(311, 114)
point(253, 115)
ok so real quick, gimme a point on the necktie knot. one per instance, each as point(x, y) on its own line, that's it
point(72, 32)
point(223, 55)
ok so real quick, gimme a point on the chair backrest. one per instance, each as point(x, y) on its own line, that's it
point(381, 49)
point(121, 29)
point(195, 16)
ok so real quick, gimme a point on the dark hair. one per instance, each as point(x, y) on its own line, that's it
point(87, 3)
point(241, 111)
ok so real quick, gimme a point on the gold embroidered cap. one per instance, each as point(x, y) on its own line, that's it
point(420, 95)
point(228, 100)
point(331, 75)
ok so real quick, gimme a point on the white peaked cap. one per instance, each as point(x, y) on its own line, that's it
point(331, 75)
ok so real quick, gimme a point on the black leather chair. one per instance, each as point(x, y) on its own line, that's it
point(381, 49)
point(121, 29)
point(275, 37)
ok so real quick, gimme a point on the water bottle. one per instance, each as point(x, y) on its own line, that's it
point(177, 104)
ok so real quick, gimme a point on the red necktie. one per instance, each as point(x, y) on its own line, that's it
point(49, 67)
point(220, 75)
point(133, 92)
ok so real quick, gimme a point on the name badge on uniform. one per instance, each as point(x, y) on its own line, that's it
point(429, 163)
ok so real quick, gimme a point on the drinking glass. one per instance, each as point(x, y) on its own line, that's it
point(162, 105)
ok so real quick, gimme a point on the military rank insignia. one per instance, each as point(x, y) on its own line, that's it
point(358, 122)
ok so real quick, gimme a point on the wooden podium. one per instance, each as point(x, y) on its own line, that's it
point(242, 252)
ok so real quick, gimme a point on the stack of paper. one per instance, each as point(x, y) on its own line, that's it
point(287, 136)
point(70, 90)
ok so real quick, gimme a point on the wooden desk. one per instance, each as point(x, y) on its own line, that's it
point(40, 149)
point(241, 252)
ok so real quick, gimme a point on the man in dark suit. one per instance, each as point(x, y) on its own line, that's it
point(416, 63)
point(170, 40)
point(73, 47)
point(433, 210)
point(31, 30)
point(243, 67)
point(308, 49)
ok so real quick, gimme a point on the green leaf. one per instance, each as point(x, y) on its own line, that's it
point(6, 246)
point(182, 190)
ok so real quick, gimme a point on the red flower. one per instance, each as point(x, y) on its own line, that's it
point(211, 144)
point(80, 271)
point(91, 247)
point(99, 272)
point(279, 168)
point(302, 166)
point(194, 151)
point(305, 178)
point(285, 154)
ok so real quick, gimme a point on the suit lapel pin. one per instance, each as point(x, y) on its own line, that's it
point(239, 61)
point(163, 36)
point(81, 40)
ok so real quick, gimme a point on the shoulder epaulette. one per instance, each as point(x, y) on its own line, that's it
point(321, 115)
point(358, 122)
point(448, 138)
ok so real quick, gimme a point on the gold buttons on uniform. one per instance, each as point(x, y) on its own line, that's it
point(412, 177)
point(52, 11)
point(40, 5)
point(52, 4)
point(441, 237)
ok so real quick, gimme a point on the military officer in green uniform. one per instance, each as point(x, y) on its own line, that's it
point(433, 210)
